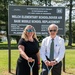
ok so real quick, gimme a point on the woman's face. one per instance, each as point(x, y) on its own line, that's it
point(30, 31)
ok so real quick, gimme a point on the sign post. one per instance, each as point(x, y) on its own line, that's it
point(39, 17)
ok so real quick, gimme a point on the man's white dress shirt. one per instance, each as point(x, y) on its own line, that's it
point(59, 48)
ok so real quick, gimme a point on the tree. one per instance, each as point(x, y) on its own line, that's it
point(4, 7)
point(3, 11)
point(73, 31)
point(4, 14)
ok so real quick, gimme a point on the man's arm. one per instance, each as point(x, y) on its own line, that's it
point(61, 52)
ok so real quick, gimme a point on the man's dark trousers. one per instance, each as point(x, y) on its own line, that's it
point(56, 70)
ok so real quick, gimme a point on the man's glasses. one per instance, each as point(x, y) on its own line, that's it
point(52, 30)
point(30, 30)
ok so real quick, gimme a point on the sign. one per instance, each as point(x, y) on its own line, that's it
point(39, 17)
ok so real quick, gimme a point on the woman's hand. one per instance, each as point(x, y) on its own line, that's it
point(30, 59)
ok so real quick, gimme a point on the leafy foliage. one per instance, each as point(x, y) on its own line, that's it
point(4, 9)
point(73, 31)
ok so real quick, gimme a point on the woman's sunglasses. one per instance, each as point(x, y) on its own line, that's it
point(30, 30)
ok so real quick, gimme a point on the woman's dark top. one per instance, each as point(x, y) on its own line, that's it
point(31, 49)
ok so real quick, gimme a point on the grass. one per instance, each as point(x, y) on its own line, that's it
point(70, 47)
point(69, 61)
point(4, 61)
point(4, 45)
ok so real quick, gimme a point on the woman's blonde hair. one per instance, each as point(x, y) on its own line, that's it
point(24, 33)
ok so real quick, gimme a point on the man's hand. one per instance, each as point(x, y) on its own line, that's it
point(52, 63)
point(47, 63)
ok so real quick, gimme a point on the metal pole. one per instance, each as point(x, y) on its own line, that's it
point(46, 2)
point(27, 2)
point(64, 64)
point(31, 2)
point(64, 58)
point(9, 55)
point(70, 25)
point(50, 2)
point(9, 49)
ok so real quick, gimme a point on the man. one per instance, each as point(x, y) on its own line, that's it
point(52, 51)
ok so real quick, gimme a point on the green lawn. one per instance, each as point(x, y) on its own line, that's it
point(4, 45)
point(69, 59)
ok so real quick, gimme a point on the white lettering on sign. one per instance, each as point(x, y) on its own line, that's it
point(47, 17)
point(16, 16)
point(50, 21)
point(36, 21)
point(17, 21)
point(26, 21)
point(29, 17)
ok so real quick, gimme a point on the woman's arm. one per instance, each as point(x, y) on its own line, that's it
point(38, 56)
point(23, 54)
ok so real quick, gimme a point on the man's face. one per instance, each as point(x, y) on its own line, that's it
point(53, 31)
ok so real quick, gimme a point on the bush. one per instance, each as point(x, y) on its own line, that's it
point(5, 46)
point(74, 40)
point(0, 40)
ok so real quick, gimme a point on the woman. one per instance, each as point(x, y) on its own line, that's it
point(29, 52)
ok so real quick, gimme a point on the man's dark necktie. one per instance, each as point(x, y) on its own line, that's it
point(52, 50)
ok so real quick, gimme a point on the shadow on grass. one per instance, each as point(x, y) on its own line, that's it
point(12, 73)
point(70, 47)
point(67, 73)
